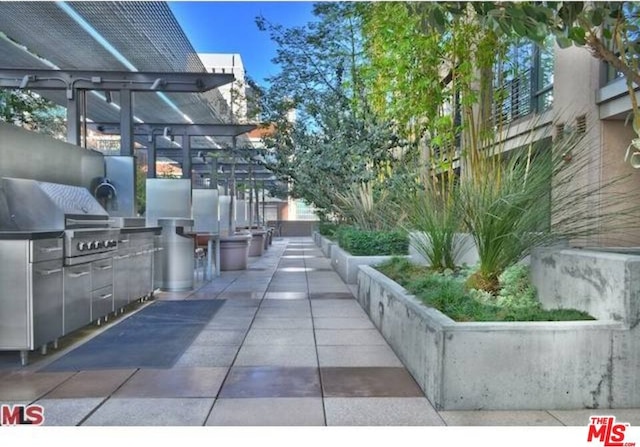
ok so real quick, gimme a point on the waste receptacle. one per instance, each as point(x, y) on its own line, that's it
point(177, 255)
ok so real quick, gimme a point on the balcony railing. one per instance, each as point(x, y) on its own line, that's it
point(514, 99)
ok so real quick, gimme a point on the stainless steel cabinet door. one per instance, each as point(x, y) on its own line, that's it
point(137, 270)
point(47, 301)
point(121, 273)
point(101, 302)
point(77, 297)
point(101, 273)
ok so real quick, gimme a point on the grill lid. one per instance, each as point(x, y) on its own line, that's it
point(35, 205)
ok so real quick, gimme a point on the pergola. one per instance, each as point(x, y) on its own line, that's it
point(123, 68)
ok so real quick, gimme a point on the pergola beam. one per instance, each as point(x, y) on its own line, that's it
point(148, 81)
point(178, 129)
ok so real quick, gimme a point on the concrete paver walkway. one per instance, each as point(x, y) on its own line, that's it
point(290, 346)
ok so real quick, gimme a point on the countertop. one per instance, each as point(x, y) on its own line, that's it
point(129, 230)
point(29, 235)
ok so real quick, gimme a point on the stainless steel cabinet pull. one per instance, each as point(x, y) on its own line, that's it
point(48, 272)
point(106, 297)
point(121, 257)
point(104, 267)
point(49, 249)
point(78, 275)
point(88, 222)
point(124, 241)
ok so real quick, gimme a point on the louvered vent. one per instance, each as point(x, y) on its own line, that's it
point(581, 124)
point(559, 131)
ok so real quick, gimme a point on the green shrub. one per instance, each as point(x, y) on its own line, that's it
point(328, 229)
point(446, 292)
point(372, 243)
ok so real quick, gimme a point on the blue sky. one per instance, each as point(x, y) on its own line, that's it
point(229, 27)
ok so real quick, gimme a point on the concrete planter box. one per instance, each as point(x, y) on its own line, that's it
point(505, 366)
point(326, 245)
point(605, 284)
point(346, 265)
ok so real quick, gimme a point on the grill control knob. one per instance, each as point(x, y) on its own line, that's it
point(93, 245)
point(82, 246)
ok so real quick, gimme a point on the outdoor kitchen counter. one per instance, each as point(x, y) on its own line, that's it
point(129, 230)
point(29, 235)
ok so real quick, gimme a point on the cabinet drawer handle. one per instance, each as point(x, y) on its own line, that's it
point(49, 249)
point(121, 257)
point(106, 297)
point(78, 275)
point(124, 241)
point(139, 253)
point(104, 267)
point(48, 272)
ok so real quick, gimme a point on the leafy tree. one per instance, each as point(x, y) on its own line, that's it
point(31, 111)
point(610, 31)
point(326, 136)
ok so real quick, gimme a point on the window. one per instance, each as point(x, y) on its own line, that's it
point(523, 81)
point(543, 62)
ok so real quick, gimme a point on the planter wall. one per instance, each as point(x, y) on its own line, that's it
point(346, 265)
point(326, 245)
point(468, 253)
point(505, 366)
point(604, 284)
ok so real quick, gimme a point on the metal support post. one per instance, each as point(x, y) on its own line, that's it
point(151, 157)
point(186, 156)
point(73, 119)
point(126, 123)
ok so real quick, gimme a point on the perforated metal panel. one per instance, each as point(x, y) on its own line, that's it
point(145, 33)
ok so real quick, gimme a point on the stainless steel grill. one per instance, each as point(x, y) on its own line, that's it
point(71, 278)
point(42, 206)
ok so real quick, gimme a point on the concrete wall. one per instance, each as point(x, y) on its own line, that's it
point(467, 254)
point(26, 154)
point(604, 284)
point(326, 245)
point(346, 265)
point(294, 228)
point(504, 366)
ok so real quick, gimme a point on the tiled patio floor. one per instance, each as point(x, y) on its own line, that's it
point(290, 346)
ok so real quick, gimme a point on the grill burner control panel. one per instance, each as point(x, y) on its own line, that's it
point(96, 245)
point(84, 245)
